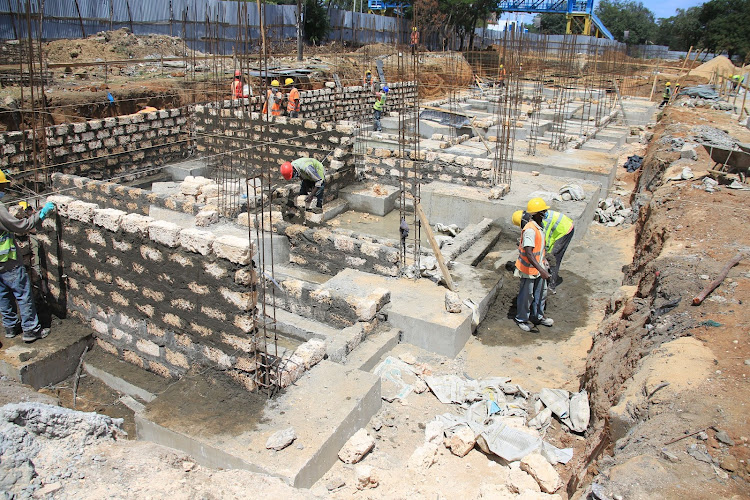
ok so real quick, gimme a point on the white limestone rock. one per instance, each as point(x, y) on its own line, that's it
point(136, 224)
point(357, 447)
point(365, 477)
point(281, 439)
point(61, 202)
point(81, 211)
point(195, 240)
point(434, 432)
point(206, 217)
point(108, 218)
point(462, 441)
point(233, 249)
point(540, 469)
point(166, 233)
point(423, 457)
point(452, 302)
point(311, 352)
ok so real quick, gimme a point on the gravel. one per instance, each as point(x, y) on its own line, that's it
point(713, 136)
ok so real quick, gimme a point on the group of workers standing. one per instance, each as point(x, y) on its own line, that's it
point(545, 237)
point(276, 102)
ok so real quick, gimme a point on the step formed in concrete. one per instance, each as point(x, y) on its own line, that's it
point(222, 426)
point(46, 361)
point(476, 252)
point(369, 353)
point(122, 376)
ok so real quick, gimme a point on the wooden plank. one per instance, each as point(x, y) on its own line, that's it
point(435, 247)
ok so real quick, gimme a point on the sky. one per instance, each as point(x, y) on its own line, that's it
point(667, 8)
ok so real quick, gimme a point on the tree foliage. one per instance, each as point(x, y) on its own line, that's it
point(680, 31)
point(316, 22)
point(620, 16)
point(724, 25)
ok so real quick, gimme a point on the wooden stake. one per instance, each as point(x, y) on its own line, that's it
point(435, 247)
point(711, 286)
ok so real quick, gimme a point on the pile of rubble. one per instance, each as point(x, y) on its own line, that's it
point(496, 416)
point(613, 212)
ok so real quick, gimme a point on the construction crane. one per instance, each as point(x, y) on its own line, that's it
point(580, 13)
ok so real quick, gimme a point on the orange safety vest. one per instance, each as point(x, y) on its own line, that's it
point(415, 37)
point(237, 89)
point(523, 264)
point(293, 102)
point(276, 106)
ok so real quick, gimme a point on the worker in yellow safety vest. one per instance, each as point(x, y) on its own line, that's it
point(666, 95)
point(378, 107)
point(558, 231)
point(737, 81)
point(531, 267)
point(292, 103)
point(273, 96)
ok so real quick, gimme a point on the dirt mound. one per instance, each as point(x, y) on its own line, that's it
point(720, 65)
point(112, 45)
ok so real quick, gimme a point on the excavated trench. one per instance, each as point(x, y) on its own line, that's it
point(632, 327)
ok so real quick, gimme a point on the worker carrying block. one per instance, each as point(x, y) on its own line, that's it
point(531, 267)
point(313, 176)
point(558, 231)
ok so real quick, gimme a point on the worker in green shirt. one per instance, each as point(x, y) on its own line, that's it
point(378, 107)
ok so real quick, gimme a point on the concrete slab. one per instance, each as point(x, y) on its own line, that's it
point(122, 376)
point(330, 210)
point(371, 198)
point(301, 328)
point(593, 166)
point(325, 408)
point(417, 308)
point(463, 205)
point(179, 171)
point(46, 361)
point(369, 353)
point(474, 150)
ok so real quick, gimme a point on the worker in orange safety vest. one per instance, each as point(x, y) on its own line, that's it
point(531, 267)
point(293, 102)
point(273, 96)
point(237, 85)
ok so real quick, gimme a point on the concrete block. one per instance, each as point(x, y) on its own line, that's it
point(233, 248)
point(166, 233)
point(195, 240)
point(136, 224)
point(81, 211)
point(377, 199)
point(108, 218)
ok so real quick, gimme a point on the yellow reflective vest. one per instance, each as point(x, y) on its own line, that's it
point(555, 226)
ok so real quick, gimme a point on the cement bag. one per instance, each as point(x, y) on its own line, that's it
point(508, 443)
point(556, 400)
point(574, 192)
point(579, 411)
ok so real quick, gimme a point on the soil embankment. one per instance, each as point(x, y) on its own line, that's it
point(667, 379)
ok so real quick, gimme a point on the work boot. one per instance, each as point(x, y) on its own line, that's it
point(524, 325)
point(545, 321)
point(35, 334)
point(12, 331)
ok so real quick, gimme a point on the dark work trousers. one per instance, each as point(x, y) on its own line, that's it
point(558, 252)
point(308, 186)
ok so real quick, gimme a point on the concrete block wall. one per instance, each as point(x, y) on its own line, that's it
point(347, 103)
point(112, 195)
point(219, 131)
point(158, 296)
point(384, 165)
point(130, 146)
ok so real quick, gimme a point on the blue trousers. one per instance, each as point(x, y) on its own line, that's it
point(532, 297)
point(378, 113)
point(16, 284)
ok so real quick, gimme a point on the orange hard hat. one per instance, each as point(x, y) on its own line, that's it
point(237, 73)
point(287, 170)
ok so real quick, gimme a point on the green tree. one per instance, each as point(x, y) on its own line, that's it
point(725, 26)
point(316, 23)
point(620, 16)
point(680, 31)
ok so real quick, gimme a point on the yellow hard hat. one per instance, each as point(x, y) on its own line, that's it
point(517, 217)
point(275, 83)
point(669, 83)
point(501, 65)
point(536, 205)
point(289, 81)
point(23, 204)
point(3, 178)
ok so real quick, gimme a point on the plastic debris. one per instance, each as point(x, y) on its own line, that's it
point(393, 370)
point(634, 163)
point(572, 192)
point(580, 412)
point(557, 400)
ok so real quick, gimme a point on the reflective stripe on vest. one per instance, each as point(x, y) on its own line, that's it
point(293, 103)
point(7, 247)
point(556, 225)
point(523, 264)
point(378, 106)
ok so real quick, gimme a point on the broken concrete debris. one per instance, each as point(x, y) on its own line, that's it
point(453, 302)
point(541, 470)
point(365, 477)
point(612, 212)
point(281, 439)
point(356, 447)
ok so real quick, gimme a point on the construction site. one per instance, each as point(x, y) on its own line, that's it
point(212, 335)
